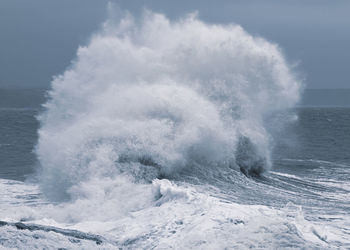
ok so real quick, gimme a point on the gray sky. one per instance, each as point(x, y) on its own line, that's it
point(39, 38)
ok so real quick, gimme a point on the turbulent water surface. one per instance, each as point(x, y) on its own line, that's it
point(174, 134)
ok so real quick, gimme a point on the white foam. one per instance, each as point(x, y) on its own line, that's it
point(175, 216)
point(176, 93)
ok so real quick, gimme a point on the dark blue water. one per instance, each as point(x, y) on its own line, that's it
point(321, 133)
point(18, 131)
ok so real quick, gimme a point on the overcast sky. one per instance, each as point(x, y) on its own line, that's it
point(39, 38)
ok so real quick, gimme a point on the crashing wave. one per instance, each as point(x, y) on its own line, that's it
point(158, 96)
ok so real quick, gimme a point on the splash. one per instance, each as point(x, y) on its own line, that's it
point(151, 97)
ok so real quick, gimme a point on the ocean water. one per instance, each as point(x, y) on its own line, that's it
point(173, 134)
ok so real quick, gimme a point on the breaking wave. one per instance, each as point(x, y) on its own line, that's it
point(148, 98)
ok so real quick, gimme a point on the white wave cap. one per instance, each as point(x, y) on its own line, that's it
point(154, 96)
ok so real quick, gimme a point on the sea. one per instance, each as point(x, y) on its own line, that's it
point(174, 135)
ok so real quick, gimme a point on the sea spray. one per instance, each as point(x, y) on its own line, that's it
point(151, 97)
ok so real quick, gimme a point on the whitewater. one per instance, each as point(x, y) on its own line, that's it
point(162, 134)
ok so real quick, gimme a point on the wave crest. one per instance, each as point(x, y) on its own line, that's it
point(165, 95)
